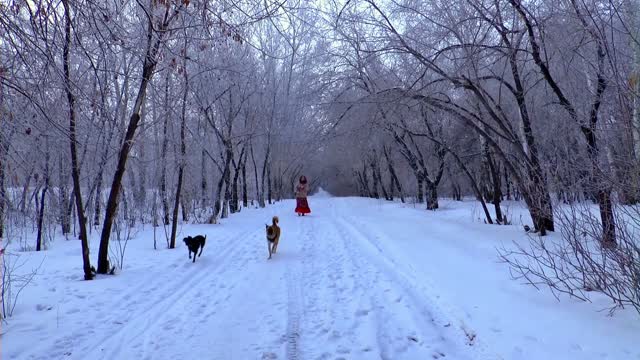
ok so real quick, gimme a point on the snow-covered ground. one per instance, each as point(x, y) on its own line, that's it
point(358, 279)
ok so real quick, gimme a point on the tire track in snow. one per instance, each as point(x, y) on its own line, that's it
point(294, 296)
point(429, 309)
point(293, 316)
point(113, 345)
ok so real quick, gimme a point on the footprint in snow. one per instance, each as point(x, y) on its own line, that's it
point(42, 307)
point(576, 347)
point(269, 356)
point(531, 338)
point(324, 356)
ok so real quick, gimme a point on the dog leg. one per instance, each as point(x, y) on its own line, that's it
point(269, 248)
point(194, 255)
point(201, 248)
point(189, 254)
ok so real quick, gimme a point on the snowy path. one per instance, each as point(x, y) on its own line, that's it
point(358, 279)
point(329, 293)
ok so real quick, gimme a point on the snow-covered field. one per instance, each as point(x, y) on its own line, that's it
point(358, 279)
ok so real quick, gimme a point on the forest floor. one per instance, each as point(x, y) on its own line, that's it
point(357, 279)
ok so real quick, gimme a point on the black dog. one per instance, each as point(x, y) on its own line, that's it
point(193, 243)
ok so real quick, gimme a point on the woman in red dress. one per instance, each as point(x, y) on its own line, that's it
point(302, 206)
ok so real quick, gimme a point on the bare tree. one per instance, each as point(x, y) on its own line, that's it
point(75, 169)
point(156, 36)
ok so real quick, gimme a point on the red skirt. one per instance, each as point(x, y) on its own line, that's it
point(302, 206)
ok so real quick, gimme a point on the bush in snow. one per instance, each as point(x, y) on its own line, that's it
point(580, 262)
point(14, 280)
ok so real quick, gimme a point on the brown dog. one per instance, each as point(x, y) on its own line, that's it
point(273, 236)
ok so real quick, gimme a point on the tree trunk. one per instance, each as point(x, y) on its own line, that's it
point(129, 216)
point(227, 195)
point(245, 195)
point(220, 196)
point(176, 207)
point(432, 195)
point(183, 154)
point(4, 149)
point(601, 189)
point(125, 205)
point(365, 181)
point(420, 195)
point(269, 182)
point(185, 205)
point(154, 214)
point(75, 169)
point(385, 193)
point(264, 175)
point(100, 176)
point(203, 182)
point(25, 190)
point(98, 200)
point(497, 191)
point(3, 191)
point(393, 175)
point(163, 155)
point(507, 184)
point(227, 182)
point(43, 200)
point(474, 186)
point(112, 202)
point(456, 192)
point(540, 199)
point(377, 177)
point(217, 204)
point(375, 193)
point(255, 172)
point(234, 192)
point(70, 207)
point(141, 193)
point(63, 198)
point(235, 200)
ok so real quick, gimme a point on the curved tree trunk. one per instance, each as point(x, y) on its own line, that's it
point(112, 202)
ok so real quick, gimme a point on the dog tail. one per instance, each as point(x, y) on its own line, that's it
point(275, 220)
